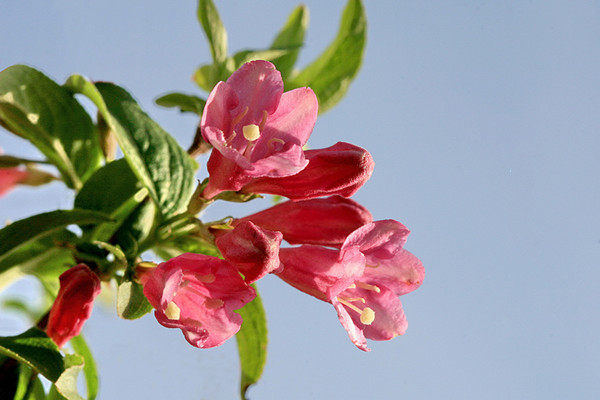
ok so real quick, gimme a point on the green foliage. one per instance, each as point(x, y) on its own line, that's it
point(185, 102)
point(131, 302)
point(39, 110)
point(291, 37)
point(252, 343)
point(90, 372)
point(158, 161)
point(330, 75)
point(140, 202)
point(113, 190)
point(36, 350)
point(20, 233)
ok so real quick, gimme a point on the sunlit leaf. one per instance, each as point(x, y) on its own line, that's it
point(332, 72)
point(185, 102)
point(291, 37)
point(158, 161)
point(37, 108)
point(90, 371)
point(36, 350)
point(25, 231)
point(209, 18)
point(131, 302)
point(252, 343)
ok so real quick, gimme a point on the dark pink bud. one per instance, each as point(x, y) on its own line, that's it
point(340, 169)
point(79, 286)
point(325, 221)
point(252, 249)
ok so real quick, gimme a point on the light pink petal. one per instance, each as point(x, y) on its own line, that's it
point(389, 321)
point(319, 271)
point(217, 112)
point(354, 332)
point(382, 239)
point(258, 86)
point(225, 175)
point(402, 273)
point(289, 160)
point(294, 119)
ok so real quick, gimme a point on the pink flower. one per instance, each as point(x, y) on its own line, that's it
point(326, 221)
point(365, 295)
point(254, 251)
point(256, 129)
point(198, 294)
point(79, 286)
point(9, 177)
point(340, 169)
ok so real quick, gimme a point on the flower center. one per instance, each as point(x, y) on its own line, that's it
point(172, 312)
point(251, 132)
point(367, 315)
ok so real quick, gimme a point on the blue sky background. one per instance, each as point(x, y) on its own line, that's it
point(483, 121)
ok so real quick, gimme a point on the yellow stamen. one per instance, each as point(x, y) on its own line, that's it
point(172, 312)
point(261, 126)
point(251, 132)
point(239, 117)
point(367, 316)
point(363, 285)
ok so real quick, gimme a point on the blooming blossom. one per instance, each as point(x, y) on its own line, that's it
point(364, 293)
point(9, 177)
point(198, 294)
point(256, 129)
point(79, 286)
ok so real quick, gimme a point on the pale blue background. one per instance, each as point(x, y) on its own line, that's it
point(483, 120)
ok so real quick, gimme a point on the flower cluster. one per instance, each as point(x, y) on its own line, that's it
point(337, 253)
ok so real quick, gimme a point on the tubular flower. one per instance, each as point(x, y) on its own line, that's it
point(79, 286)
point(9, 177)
point(365, 295)
point(198, 294)
point(254, 251)
point(325, 221)
point(255, 128)
point(340, 169)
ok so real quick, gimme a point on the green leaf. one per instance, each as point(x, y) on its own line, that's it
point(38, 109)
point(252, 343)
point(66, 384)
point(36, 391)
point(45, 258)
point(185, 102)
point(90, 372)
point(36, 350)
point(330, 75)
point(209, 18)
point(158, 161)
point(10, 161)
point(131, 302)
point(136, 229)
point(185, 244)
point(25, 231)
point(113, 190)
point(206, 77)
point(291, 38)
